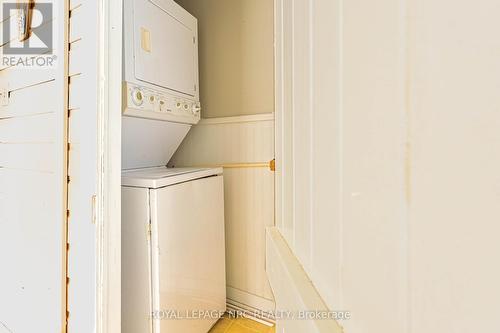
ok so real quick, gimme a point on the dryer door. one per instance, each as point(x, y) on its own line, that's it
point(165, 45)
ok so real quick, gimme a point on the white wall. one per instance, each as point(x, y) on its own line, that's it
point(243, 146)
point(237, 132)
point(388, 112)
point(236, 56)
point(454, 176)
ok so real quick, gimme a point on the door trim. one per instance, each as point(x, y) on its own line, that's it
point(108, 203)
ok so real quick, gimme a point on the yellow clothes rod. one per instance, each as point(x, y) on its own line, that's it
point(245, 165)
point(270, 165)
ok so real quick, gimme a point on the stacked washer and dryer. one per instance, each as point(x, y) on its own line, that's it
point(173, 254)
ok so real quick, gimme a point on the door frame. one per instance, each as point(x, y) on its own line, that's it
point(108, 201)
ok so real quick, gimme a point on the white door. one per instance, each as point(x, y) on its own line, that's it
point(188, 263)
point(165, 46)
point(33, 185)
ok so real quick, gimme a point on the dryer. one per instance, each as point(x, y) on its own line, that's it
point(161, 86)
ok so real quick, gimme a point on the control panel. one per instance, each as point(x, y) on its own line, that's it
point(147, 103)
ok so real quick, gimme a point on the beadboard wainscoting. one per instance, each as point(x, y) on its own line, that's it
point(244, 146)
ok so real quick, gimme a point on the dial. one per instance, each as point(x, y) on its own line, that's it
point(137, 96)
point(196, 109)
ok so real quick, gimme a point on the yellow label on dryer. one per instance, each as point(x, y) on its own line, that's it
point(145, 40)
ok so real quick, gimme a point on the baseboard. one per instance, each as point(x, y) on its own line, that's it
point(235, 309)
point(250, 300)
point(252, 306)
point(293, 290)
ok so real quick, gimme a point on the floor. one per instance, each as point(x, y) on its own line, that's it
point(240, 325)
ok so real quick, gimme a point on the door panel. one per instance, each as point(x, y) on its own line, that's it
point(33, 190)
point(165, 49)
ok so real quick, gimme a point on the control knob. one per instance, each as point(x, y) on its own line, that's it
point(196, 109)
point(137, 96)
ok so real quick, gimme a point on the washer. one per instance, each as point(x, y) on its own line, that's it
point(173, 252)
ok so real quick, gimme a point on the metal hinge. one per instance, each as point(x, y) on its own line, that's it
point(4, 96)
point(94, 209)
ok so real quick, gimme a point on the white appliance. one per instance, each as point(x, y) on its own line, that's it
point(173, 257)
point(172, 250)
point(160, 92)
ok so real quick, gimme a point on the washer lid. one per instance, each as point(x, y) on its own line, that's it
point(162, 176)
